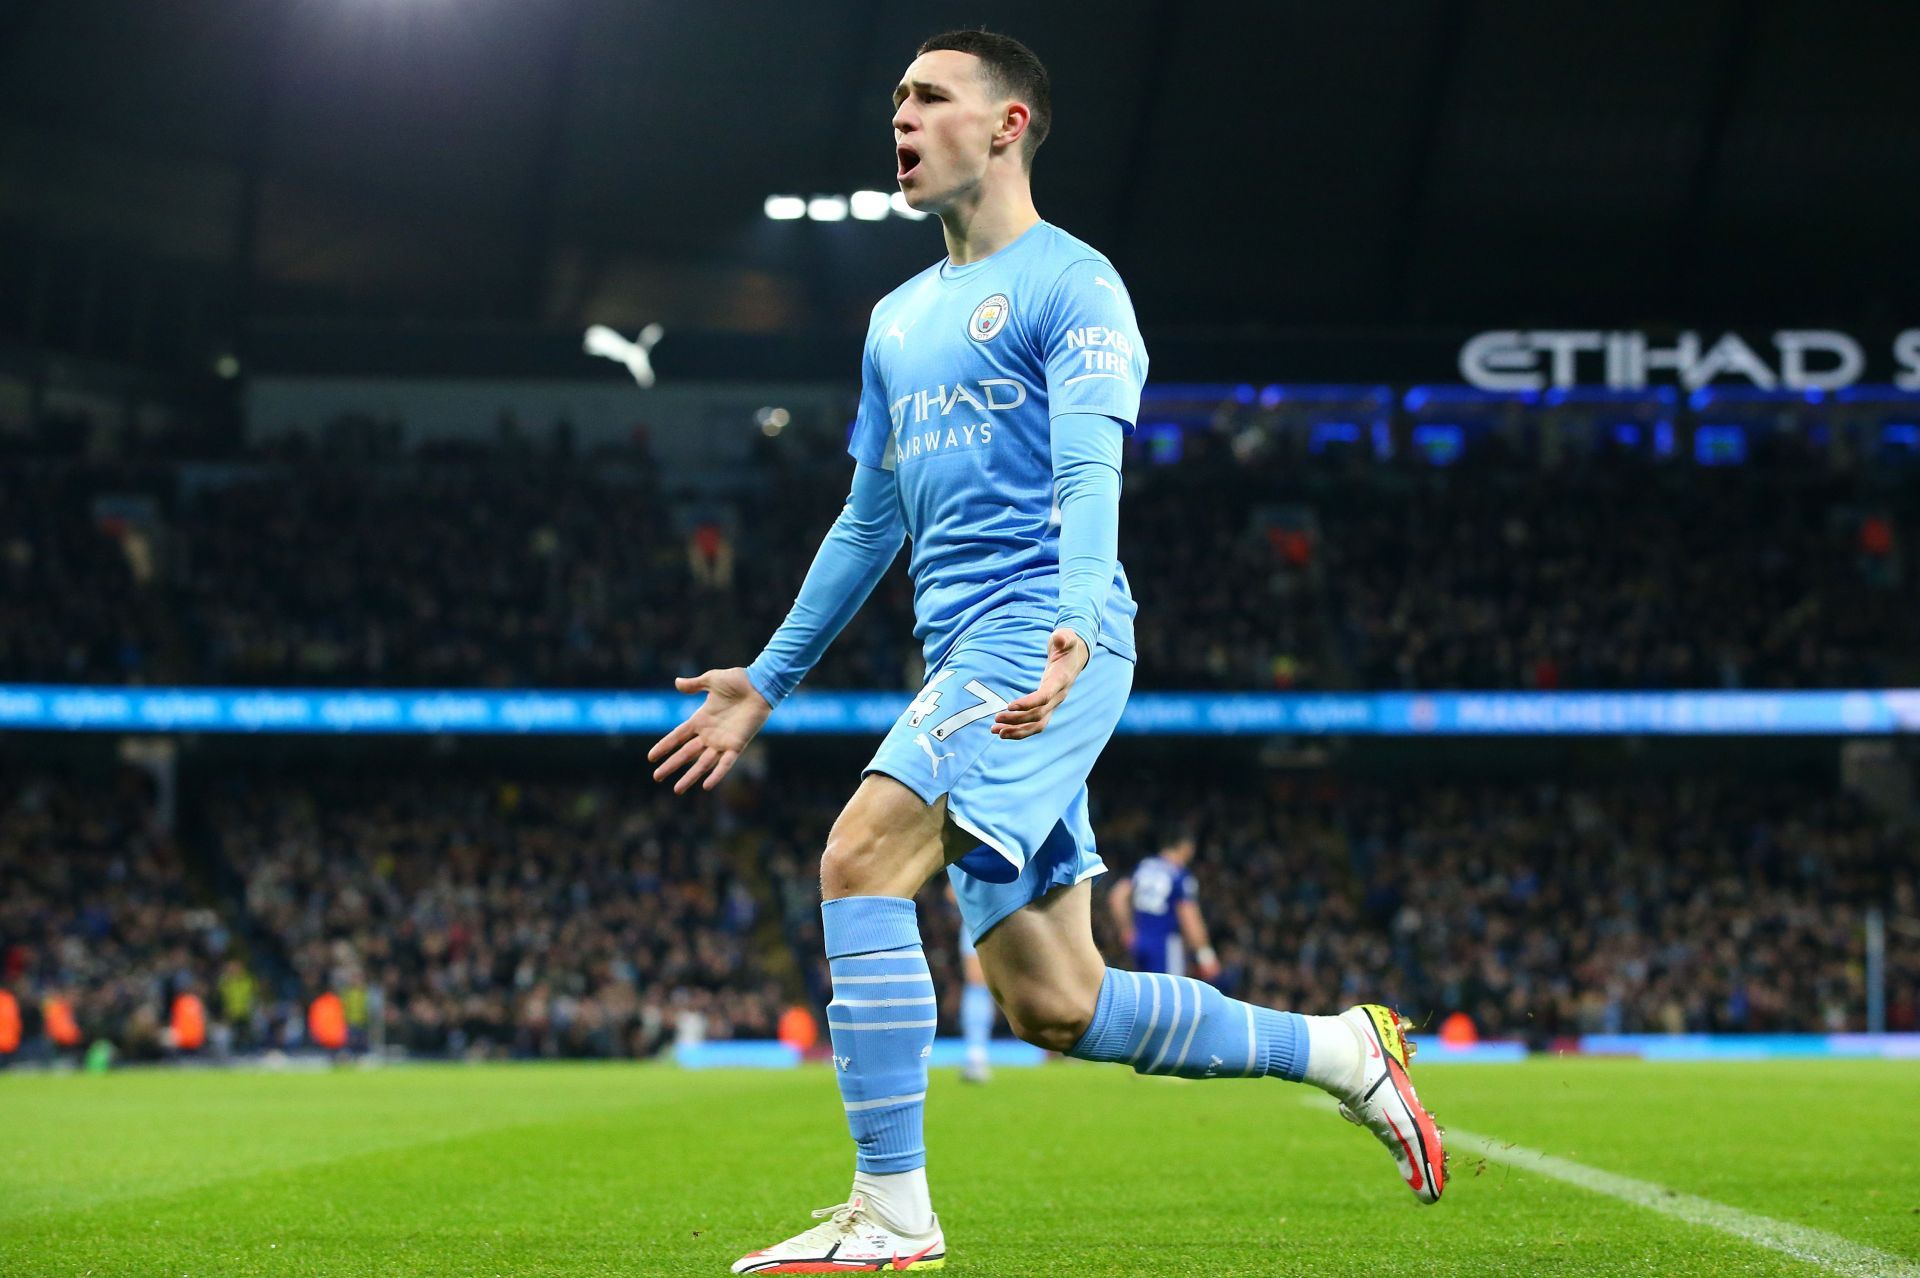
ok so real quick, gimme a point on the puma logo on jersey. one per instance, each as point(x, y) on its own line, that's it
point(1101, 281)
point(900, 334)
point(927, 746)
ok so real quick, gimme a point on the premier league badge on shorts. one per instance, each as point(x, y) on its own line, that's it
point(989, 318)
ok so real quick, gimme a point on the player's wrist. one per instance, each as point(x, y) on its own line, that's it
point(1206, 957)
point(764, 685)
point(1078, 631)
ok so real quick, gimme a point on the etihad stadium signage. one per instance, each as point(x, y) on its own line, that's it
point(1792, 359)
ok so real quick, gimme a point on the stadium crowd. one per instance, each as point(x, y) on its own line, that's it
point(99, 932)
point(501, 917)
point(1609, 580)
point(497, 570)
point(496, 917)
point(1549, 909)
point(1537, 910)
point(78, 597)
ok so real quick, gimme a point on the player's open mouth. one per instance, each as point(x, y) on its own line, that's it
point(909, 161)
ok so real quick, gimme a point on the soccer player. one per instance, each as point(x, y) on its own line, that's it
point(998, 386)
point(1157, 910)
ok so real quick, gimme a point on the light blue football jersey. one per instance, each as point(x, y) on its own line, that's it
point(965, 369)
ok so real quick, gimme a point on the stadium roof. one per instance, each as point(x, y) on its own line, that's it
point(1246, 165)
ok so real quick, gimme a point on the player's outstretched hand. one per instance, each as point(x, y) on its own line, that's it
point(713, 736)
point(1067, 656)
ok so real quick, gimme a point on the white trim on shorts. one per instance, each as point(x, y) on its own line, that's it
point(1019, 863)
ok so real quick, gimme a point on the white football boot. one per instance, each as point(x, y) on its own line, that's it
point(1385, 1105)
point(852, 1240)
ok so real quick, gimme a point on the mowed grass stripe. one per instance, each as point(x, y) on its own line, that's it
point(1816, 1246)
point(1078, 1169)
point(624, 1191)
point(1816, 1142)
point(157, 1132)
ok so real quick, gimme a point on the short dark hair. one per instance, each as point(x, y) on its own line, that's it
point(1174, 833)
point(1012, 69)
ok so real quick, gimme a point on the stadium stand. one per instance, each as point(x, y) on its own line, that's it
point(487, 569)
point(502, 914)
point(96, 912)
point(489, 916)
point(503, 919)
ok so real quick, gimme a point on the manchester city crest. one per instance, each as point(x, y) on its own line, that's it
point(989, 318)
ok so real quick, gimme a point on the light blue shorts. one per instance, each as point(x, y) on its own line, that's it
point(1026, 801)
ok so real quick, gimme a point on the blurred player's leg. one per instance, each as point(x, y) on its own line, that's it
point(1167, 956)
point(1058, 992)
point(976, 1014)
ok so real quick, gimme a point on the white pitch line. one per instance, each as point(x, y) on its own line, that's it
point(1803, 1242)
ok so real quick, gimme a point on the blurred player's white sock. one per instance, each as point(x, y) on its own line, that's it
point(899, 1198)
point(976, 1023)
point(1335, 1055)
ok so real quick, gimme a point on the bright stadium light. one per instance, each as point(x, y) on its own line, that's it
point(869, 206)
point(827, 208)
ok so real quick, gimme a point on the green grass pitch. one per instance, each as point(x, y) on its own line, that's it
point(560, 1170)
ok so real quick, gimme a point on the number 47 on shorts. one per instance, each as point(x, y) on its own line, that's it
point(989, 702)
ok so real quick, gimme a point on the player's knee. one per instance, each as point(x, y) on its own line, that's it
point(1054, 1018)
point(863, 861)
point(848, 865)
point(886, 842)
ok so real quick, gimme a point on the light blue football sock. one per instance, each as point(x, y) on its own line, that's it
point(976, 1019)
point(1173, 1025)
point(881, 1021)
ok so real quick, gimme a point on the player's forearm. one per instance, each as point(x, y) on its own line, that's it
point(852, 558)
point(1192, 929)
point(1086, 472)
